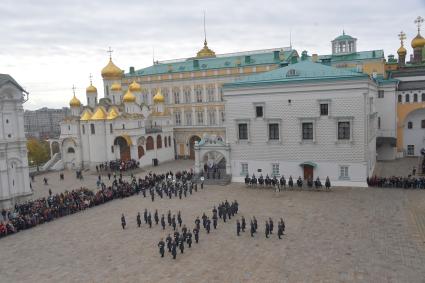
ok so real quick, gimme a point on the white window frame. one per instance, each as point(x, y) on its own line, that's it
point(344, 172)
point(325, 101)
point(243, 172)
point(274, 166)
point(243, 121)
point(349, 119)
point(301, 122)
point(274, 121)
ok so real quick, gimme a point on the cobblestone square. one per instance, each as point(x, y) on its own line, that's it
point(346, 235)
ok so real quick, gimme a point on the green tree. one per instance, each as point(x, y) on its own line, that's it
point(38, 151)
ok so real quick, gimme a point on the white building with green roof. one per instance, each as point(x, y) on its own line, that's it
point(306, 119)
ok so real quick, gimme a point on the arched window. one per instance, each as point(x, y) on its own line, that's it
point(415, 97)
point(423, 97)
point(400, 98)
point(140, 151)
point(409, 125)
point(407, 98)
point(71, 150)
point(158, 142)
point(169, 141)
point(149, 143)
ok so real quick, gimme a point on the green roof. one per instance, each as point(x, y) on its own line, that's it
point(344, 37)
point(299, 72)
point(356, 56)
point(253, 58)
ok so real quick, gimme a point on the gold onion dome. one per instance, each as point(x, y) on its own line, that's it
point(113, 113)
point(129, 96)
point(86, 115)
point(205, 52)
point(116, 87)
point(134, 86)
point(158, 98)
point(402, 50)
point(99, 114)
point(418, 41)
point(75, 102)
point(111, 71)
point(91, 89)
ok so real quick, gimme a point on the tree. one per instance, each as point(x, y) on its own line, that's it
point(38, 151)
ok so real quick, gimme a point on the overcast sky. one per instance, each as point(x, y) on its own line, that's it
point(49, 45)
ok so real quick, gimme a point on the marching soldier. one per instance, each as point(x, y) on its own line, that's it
point(169, 218)
point(215, 221)
point(179, 219)
point(255, 224)
point(150, 220)
point(189, 239)
point(252, 229)
point(173, 222)
point(181, 244)
point(161, 245)
point(208, 225)
point(243, 225)
point(138, 220)
point(271, 225)
point(267, 230)
point(123, 223)
point(238, 227)
point(156, 217)
point(197, 223)
point(163, 222)
point(196, 234)
point(169, 241)
point(279, 231)
point(145, 216)
point(174, 249)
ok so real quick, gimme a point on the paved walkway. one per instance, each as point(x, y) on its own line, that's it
point(346, 235)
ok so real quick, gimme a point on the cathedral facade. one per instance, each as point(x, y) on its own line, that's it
point(14, 173)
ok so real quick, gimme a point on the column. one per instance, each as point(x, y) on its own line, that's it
point(181, 95)
point(205, 116)
point(217, 94)
point(183, 117)
point(193, 95)
point(193, 117)
point(197, 161)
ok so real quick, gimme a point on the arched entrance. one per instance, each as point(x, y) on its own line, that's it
point(140, 151)
point(214, 165)
point(192, 141)
point(308, 170)
point(124, 148)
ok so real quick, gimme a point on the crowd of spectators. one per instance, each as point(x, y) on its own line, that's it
point(409, 182)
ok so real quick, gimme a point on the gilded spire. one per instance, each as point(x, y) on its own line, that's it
point(402, 50)
point(205, 52)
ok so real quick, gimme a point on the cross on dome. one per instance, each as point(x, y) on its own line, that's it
point(402, 36)
point(110, 52)
point(419, 20)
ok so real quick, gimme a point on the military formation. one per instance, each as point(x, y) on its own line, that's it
point(283, 184)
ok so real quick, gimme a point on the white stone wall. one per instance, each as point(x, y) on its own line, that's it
point(292, 104)
point(416, 135)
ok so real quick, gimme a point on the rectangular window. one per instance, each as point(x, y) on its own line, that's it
point(343, 130)
point(188, 118)
point(324, 109)
point(243, 131)
point(258, 111)
point(177, 118)
point(343, 172)
point(411, 149)
point(187, 92)
point(211, 118)
point(244, 169)
point(274, 131)
point(423, 124)
point(92, 129)
point(210, 93)
point(380, 94)
point(83, 129)
point(110, 128)
point(307, 131)
point(176, 97)
point(198, 92)
point(275, 170)
point(112, 149)
point(200, 117)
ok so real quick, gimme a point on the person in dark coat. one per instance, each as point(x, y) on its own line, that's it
point(179, 218)
point(208, 225)
point(255, 224)
point(145, 216)
point(161, 246)
point(243, 224)
point(181, 244)
point(189, 239)
point(156, 217)
point(252, 229)
point(150, 220)
point(123, 223)
point(174, 249)
point(279, 231)
point(163, 222)
point(271, 225)
point(138, 220)
point(198, 223)
point(267, 230)
point(173, 222)
point(169, 218)
point(169, 241)
point(238, 227)
point(196, 234)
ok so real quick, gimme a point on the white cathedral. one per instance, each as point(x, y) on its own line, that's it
point(118, 126)
point(14, 174)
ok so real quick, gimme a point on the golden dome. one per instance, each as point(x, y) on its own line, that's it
point(91, 89)
point(116, 87)
point(205, 52)
point(402, 50)
point(129, 97)
point(158, 98)
point(75, 102)
point(135, 86)
point(111, 71)
point(112, 114)
point(99, 114)
point(418, 41)
point(86, 115)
